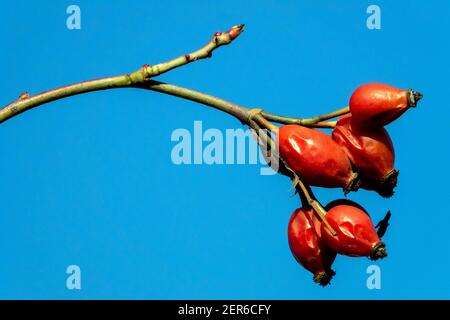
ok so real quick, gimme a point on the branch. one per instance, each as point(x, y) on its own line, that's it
point(309, 197)
point(238, 112)
point(219, 39)
point(315, 121)
point(305, 192)
point(26, 102)
point(140, 79)
point(255, 118)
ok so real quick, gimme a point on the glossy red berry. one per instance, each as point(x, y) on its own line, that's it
point(307, 246)
point(316, 158)
point(371, 152)
point(356, 234)
point(377, 104)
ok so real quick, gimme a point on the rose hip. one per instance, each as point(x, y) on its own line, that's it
point(356, 235)
point(316, 158)
point(307, 246)
point(377, 104)
point(371, 152)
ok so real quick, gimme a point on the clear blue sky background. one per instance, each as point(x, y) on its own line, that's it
point(89, 180)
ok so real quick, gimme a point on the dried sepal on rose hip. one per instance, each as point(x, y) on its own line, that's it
point(371, 152)
point(316, 158)
point(307, 246)
point(377, 104)
point(356, 234)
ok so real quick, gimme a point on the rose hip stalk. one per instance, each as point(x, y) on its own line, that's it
point(316, 158)
point(377, 104)
point(307, 246)
point(356, 235)
point(371, 152)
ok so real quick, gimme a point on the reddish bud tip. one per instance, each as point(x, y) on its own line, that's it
point(217, 34)
point(236, 31)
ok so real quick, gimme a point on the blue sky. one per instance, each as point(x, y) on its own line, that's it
point(89, 180)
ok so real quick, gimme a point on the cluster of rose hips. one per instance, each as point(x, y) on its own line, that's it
point(358, 154)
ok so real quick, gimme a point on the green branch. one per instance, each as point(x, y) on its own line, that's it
point(255, 118)
point(134, 79)
point(140, 79)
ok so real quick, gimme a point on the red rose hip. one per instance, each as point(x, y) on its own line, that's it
point(307, 246)
point(377, 104)
point(356, 234)
point(316, 158)
point(371, 152)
